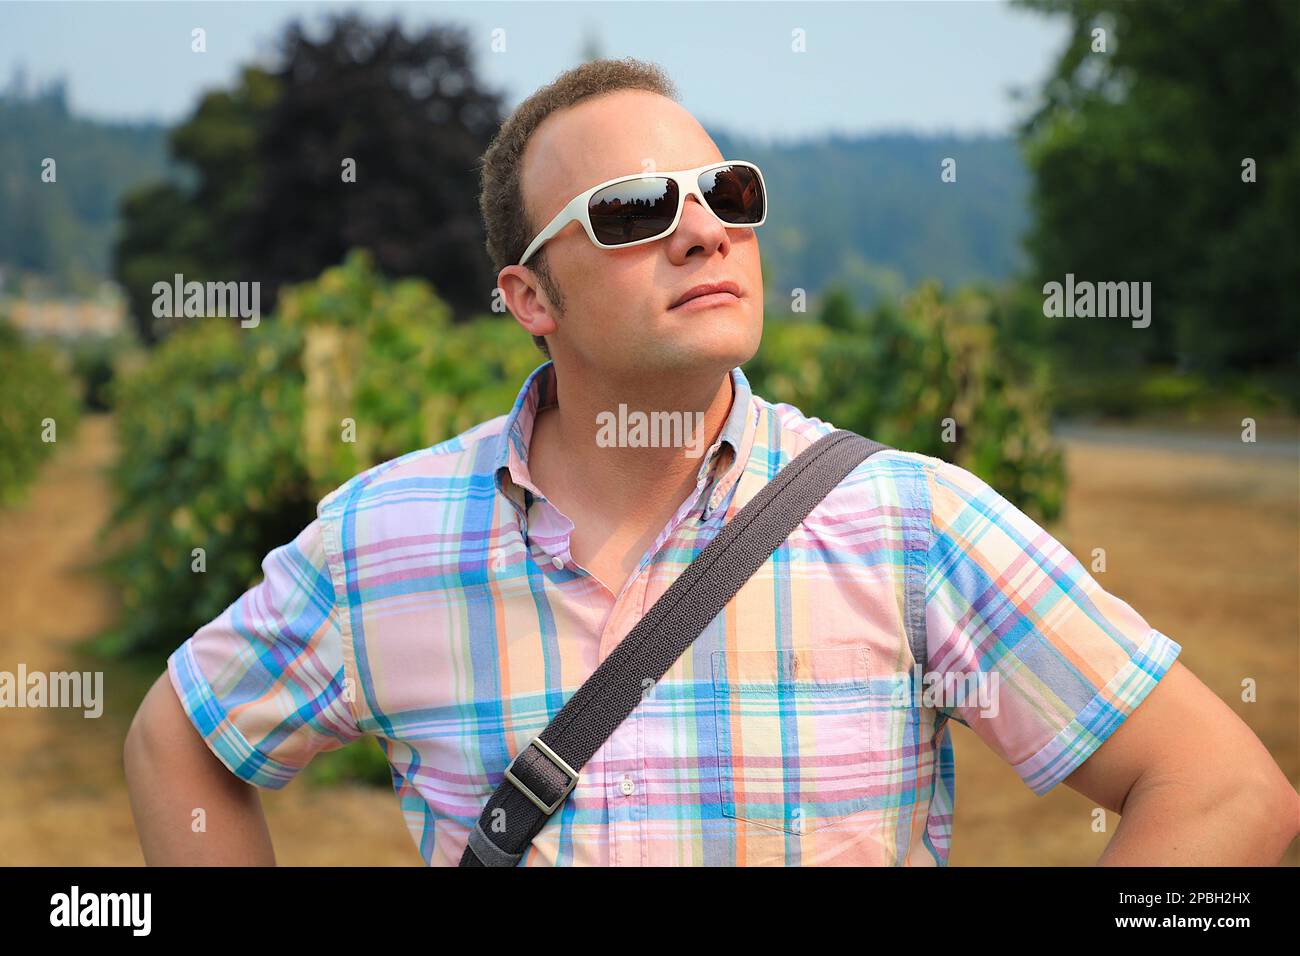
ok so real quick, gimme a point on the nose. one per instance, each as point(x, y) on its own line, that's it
point(699, 229)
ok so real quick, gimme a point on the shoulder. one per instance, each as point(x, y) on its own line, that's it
point(893, 473)
point(454, 466)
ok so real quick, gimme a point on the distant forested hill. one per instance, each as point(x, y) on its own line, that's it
point(873, 214)
point(870, 213)
point(64, 229)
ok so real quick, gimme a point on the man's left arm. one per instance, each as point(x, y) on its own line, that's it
point(1191, 782)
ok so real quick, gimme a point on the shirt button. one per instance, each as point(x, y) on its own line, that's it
point(627, 786)
point(558, 562)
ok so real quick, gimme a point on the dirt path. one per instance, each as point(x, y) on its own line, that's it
point(63, 797)
point(1205, 545)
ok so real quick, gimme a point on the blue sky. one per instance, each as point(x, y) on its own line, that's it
point(924, 66)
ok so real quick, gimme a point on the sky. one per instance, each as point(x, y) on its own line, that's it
point(925, 66)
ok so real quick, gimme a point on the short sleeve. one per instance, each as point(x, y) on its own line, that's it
point(1061, 662)
point(264, 683)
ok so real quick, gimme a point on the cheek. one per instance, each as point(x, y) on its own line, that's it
point(752, 269)
point(615, 294)
point(605, 315)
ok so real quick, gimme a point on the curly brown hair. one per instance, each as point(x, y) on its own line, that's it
point(501, 197)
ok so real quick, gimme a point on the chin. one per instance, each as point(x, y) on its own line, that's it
point(719, 345)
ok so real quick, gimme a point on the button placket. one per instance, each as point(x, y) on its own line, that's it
point(622, 750)
point(621, 810)
point(643, 793)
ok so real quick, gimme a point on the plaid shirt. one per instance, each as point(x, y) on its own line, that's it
point(434, 604)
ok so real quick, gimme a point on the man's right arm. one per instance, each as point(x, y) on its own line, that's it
point(171, 774)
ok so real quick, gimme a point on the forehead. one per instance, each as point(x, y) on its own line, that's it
point(615, 134)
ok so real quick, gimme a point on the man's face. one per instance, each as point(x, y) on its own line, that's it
point(618, 303)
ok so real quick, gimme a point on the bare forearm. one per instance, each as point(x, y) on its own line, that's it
point(189, 809)
point(1186, 823)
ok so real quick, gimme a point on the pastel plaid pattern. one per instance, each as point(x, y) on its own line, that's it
point(433, 603)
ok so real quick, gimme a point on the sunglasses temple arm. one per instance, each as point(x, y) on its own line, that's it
point(562, 218)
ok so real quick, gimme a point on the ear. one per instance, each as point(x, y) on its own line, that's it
point(526, 299)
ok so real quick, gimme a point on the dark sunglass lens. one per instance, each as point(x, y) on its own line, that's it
point(632, 210)
point(735, 193)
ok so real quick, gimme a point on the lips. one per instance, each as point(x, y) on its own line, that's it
point(710, 288)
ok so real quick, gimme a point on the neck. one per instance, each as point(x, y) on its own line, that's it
point(636, 445)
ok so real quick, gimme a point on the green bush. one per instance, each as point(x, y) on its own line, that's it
point(230, 436)
point(38, 401)
point(1157, 393)
point(94, 362)
point(388, 357)
point(897, 374)
point(209, 459)
point(362, 761)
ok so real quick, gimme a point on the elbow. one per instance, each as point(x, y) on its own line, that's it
point(1289, 814)
point(1246, 809)
point(1269, 811)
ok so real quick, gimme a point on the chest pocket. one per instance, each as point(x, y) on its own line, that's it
point(792, 735)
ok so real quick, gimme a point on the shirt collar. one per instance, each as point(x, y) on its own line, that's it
point(731, 450)
point(510, 467)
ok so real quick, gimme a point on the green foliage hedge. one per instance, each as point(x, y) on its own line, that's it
point(94, 362)
point(897, 374)
point(209, 458)
point(36, 384)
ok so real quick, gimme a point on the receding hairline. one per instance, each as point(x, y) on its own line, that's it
point(528, 156)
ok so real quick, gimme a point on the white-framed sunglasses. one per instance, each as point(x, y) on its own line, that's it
point(643, 207)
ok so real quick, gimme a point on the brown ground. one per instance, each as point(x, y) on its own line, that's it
point(1206, 545)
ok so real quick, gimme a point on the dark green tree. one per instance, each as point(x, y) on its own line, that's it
point(1137, 151)
point(193, 227)
point(412, 116)
point(266, 199)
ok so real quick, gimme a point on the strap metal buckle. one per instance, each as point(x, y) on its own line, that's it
point(555, 759)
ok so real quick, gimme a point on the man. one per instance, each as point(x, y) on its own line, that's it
point(449, 601)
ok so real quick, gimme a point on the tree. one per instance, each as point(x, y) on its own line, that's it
point(1137, 152)
point(194, 230)
point(411, 116)
point(268, 200)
